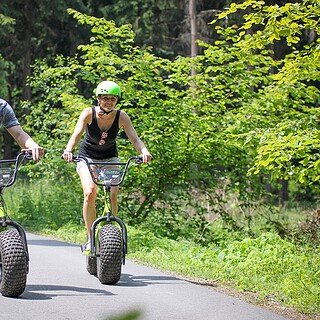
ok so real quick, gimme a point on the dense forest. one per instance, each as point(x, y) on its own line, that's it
point(276, 87)
point(240, 112)
point(226, 96)
point(32, 30)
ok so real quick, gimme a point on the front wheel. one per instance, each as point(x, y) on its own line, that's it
point(110, 259)
point(13, 264)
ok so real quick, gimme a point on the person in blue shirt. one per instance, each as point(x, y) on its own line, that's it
point(9, 121)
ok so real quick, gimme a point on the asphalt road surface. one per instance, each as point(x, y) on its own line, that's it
point(59, 288)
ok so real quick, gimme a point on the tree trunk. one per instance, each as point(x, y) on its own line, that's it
point(26, 45)
point(7, 148)
point(284, 192)
point(193, 33)
point(193, 25)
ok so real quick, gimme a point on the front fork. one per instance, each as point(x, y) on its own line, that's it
point(4, 222)
point(108, 219)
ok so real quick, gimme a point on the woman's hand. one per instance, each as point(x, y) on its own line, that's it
point(146, 156)
point(67, 155)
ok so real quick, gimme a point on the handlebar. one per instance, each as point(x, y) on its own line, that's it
point(102, 172)
point(8, 173)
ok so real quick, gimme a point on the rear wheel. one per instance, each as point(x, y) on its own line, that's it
point(92, 265)
point(13, 264)
point(110, 261)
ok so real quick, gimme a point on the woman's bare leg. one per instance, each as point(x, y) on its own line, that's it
point(89, 201)
point(114, 200)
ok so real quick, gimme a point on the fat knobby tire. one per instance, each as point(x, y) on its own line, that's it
point(110, 261)
point(92, 265)
point(13, 264)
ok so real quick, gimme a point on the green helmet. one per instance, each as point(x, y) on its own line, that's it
point(108, 87)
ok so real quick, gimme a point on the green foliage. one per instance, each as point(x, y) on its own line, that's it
point(6, 26)
point(45, 205)
point(3, 75)
point(242, 117)
point(154, 22)
point(246, 116)
point(282, 117)
point(295, 153)
point(149, 98)
point(267, 265)
point(6, 23)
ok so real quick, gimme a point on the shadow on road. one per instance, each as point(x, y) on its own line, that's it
point(50, 243)
point(58, 291)
point(129, 280)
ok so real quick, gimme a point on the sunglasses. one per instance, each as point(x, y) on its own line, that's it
point(102, 140)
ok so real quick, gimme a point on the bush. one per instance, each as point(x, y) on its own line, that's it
point(44, 204)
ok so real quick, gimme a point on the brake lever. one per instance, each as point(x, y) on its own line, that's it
point(139, 160)
point(27, 154)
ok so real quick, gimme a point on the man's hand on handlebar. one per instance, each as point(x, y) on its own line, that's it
point(36, 152)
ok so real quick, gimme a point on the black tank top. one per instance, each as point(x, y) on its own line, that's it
point(90, 147)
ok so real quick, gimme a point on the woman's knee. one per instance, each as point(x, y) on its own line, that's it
point(90, 194)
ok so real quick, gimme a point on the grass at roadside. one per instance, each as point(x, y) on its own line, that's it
point(267, 266)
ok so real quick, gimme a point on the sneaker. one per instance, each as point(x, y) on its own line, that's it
point(86, 248)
